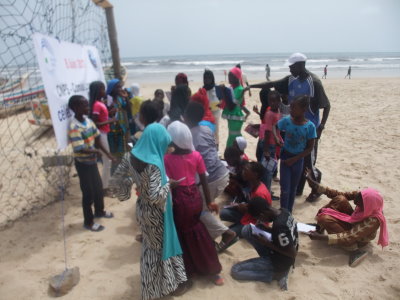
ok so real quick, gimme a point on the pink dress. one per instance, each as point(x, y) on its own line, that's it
point(199, 254)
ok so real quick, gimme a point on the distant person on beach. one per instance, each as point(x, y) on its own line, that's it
point(100, 116)
point(162, 269)
point(325, 72)
point(199, 253)
point(218, 174)
point(244, 80)
point(300, 136)
point(348, 73)
point(267, 72)
point(277, 252)
point(349, 228)
point(86, 142)
point(303, 82)
point(119, 134)
point(233, 113)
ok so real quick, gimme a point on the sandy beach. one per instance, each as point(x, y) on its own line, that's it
point(359, 148)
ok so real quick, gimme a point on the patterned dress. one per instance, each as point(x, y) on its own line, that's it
point(158, 277)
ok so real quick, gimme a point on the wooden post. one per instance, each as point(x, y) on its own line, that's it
point(112, 35)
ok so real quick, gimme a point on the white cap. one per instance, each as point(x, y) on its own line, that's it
point(242, 143)
point(296, 57)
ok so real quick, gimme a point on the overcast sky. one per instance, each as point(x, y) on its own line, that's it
point(178, 27)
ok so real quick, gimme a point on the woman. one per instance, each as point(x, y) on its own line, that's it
point(161, 265)
point(179, 100)
point(214, 94)
point(119, 134)
point(348, 228)
point(233, 113)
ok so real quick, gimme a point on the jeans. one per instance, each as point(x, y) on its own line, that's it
point(92, 191)
point(290, 176)
point(231, 214)
point(254, 269)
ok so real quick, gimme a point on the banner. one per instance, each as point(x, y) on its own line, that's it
point(67, 69)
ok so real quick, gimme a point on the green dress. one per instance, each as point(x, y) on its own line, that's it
point(235, 116)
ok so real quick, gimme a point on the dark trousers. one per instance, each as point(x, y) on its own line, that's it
point(309, 162)
point(92, 191)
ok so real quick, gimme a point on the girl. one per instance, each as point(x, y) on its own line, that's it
point(119, 134)
point(300, 135)
point(162, 268)
point(99, 114)
point(233, 113)
point(199, 253)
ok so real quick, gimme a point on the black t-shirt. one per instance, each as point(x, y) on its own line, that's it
point(284, 234)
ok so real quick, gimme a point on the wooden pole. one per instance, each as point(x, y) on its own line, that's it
point(112, 35)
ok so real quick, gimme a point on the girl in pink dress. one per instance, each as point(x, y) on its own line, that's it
point(199, 253)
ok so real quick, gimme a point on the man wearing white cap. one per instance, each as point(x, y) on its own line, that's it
point(303, 82)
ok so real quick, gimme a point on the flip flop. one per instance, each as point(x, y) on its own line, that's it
point(107, 215)
point(218, 280)
point(222, 246)
point(95, 227)
point(313, 197)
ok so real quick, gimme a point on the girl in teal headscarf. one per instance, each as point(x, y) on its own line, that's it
point(162, 267)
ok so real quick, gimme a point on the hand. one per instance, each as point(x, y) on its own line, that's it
point(319, 131)
point(112, 158)
point(112, 111)
point(255, 109)
point(317, 236)
point(290, 161)
point(113, 120)
point(242, 208)
point(262, 240)
point(267, 155)
point(249, 92)
point(213, 207)
point(279, 142)
point(247, 88)
point(173, 183)
point(123, 93)
point(312, 183)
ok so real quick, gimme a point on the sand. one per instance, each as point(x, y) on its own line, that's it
point(358, 149)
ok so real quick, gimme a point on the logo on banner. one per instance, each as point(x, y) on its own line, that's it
point(92, 59)
point(48, 55)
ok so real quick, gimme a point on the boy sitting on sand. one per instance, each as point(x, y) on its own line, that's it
point(277, 252)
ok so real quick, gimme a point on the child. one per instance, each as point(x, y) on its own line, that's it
point(233, 113)
point(235, 164)
point(267, 141)
point(84, 137)
point(237, 212)
point(199, 253)
point(99, 115)
point(300, 135)
point(241, 144)
point(218, 174)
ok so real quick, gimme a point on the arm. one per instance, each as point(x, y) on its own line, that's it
point(203, 181)
point(289, 250)
point(325, 115)
point(267, 135)
point(157, 193)
point(307, 151)
point(100, 146)
point(95, 119)
point(246, 111)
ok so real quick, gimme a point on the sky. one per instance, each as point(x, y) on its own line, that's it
point(193, 27)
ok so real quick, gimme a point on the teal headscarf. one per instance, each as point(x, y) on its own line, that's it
point(150, 149)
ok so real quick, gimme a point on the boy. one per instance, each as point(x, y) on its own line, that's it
point(278, 254)
point(218, 174)
point(85, 138)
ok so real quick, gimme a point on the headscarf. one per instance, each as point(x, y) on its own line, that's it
point(181, 135)
point(202, 98)
point(238, 74)
point(111, 85)
point(181, 78)
point(135, 89)
point(208, 73)
point(150, 149)
point(242, 143)
point(179, 101)
point(373, 207)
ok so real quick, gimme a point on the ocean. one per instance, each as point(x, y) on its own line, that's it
point(164, 68)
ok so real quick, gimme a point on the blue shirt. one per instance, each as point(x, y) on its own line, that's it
point(296, 136)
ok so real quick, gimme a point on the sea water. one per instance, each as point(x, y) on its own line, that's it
point(164, 68)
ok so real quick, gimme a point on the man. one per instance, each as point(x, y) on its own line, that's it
point(325, 72)
point(303, 82)
point(277, 253)
point(268, 72)
point(348, 73)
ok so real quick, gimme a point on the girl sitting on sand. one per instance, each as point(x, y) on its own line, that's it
point(300, 135)
point(199, 253)
point(350, 228)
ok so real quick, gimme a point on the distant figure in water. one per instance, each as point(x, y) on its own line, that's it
point(348, 73)
point(325, 72)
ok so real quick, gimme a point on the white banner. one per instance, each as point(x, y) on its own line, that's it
point(67, 69)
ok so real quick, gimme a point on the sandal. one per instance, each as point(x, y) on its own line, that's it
point(95, 227)
point(222, 246)
point(218, 280)
point(313, 197)
point(106, 214)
